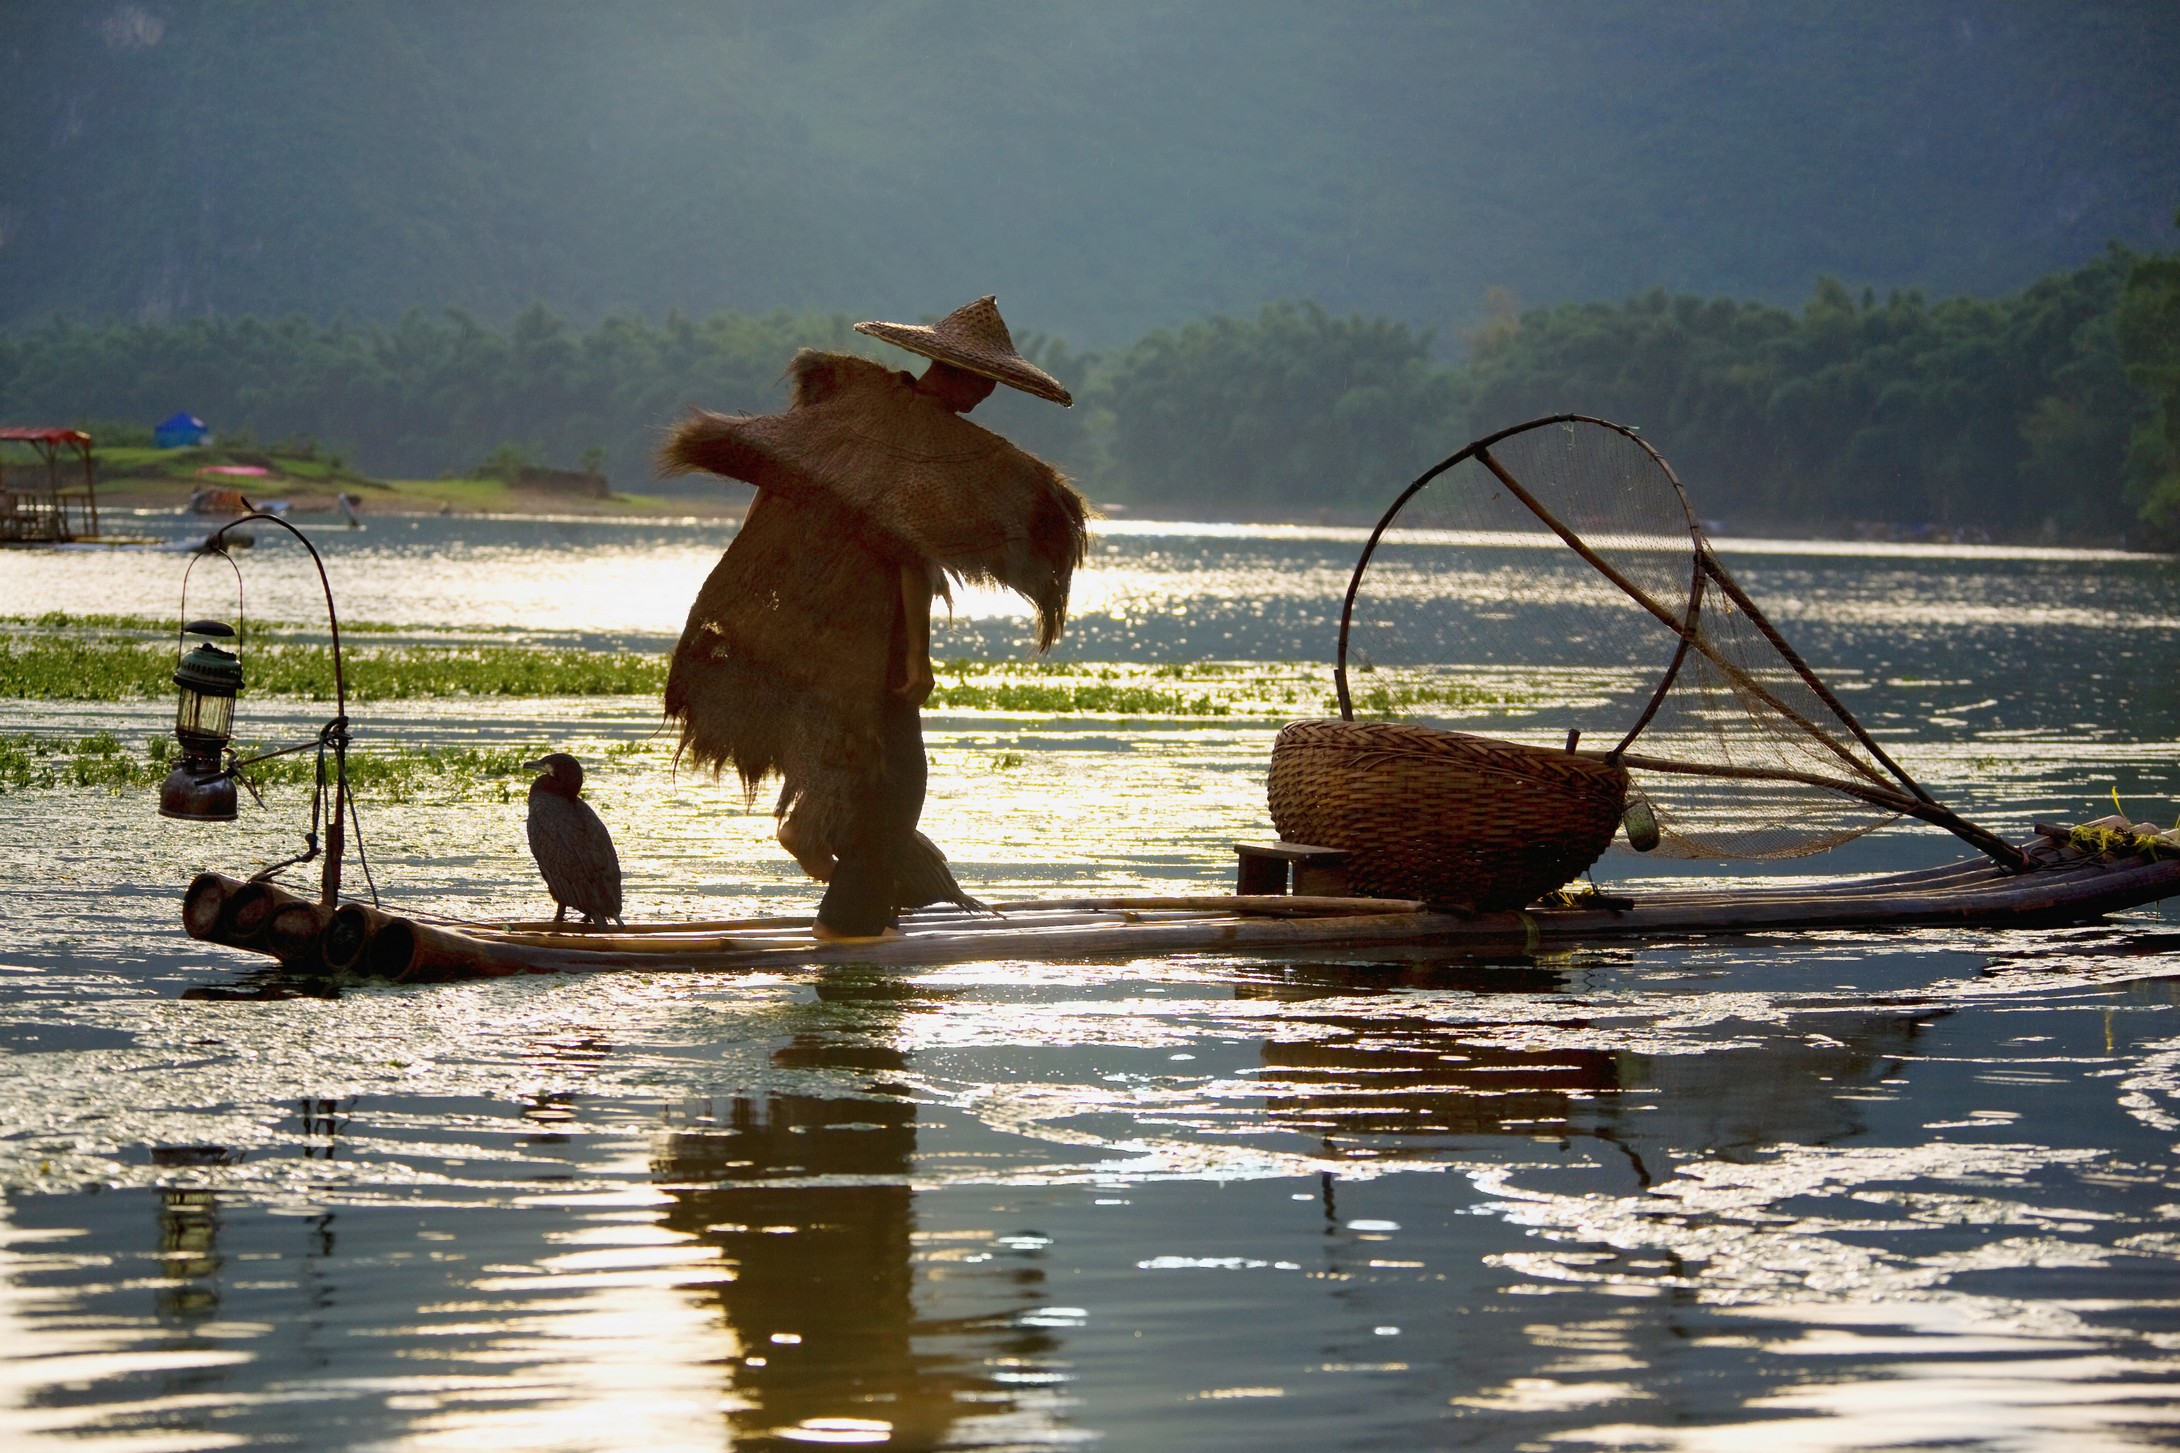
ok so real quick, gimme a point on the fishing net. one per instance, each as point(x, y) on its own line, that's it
point(1554, 579)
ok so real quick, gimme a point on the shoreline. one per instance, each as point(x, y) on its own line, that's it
point(488, 499)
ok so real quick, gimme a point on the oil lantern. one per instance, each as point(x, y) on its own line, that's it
point(201, 788)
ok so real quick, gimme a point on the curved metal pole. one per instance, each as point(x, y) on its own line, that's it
point(329, 882)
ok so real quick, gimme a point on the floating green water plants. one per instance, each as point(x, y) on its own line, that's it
point(59, 669)
point(59, 657)
point(1097, 698)
point(1271, 689)
point(391, 773)
point(60, 620)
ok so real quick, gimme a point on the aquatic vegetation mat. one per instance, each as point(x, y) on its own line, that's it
point(84, 658)
point(61, 620)
point(54, 669)
point(1273, 689)
point(389, 774)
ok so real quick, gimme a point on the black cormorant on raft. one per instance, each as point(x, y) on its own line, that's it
point(574, 851)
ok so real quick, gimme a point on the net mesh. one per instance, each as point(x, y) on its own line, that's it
point(1474, 612)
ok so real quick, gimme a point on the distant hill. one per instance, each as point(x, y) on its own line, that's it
point(1104, 168)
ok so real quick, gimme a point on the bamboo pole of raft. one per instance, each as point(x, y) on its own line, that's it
point(546, 932)
point(202, 902)
point(410, 952)
point(1285, 905)
point(293, 933)
point(2035, 901)
point(373, 943)
point(778, 932)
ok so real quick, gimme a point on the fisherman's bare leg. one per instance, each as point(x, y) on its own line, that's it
point(858, 903)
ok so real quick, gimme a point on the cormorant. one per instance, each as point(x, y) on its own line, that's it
point(572, 847)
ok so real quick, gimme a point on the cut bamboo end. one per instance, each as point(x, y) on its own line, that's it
point(367, 941)
point(391, 953)
point(246, 917)
point(245, 914)
point(346, 934)
point(201, 905)
point(292, 935)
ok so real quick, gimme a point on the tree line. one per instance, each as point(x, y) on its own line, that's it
point(2051, 412)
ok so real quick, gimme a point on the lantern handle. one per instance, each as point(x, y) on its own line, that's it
point(181, 627)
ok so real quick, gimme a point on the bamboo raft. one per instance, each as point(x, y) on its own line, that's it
point(2065, 885)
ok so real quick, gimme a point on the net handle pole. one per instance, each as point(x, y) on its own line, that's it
point(1385, 522)
point(1708, 563)
point(1636, 593)
point(1917, 803)
point(2005, 854)
point(1739, 597)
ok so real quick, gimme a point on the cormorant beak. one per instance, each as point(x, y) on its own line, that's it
point(538, 766)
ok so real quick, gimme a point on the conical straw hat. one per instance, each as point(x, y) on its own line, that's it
point(974, 337)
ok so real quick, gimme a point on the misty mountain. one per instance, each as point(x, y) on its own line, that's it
point(1104, 168)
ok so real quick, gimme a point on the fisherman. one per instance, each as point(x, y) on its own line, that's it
point(808, 651)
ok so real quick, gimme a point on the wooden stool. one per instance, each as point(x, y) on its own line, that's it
point(1263, 868)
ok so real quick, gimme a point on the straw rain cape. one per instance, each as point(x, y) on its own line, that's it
point(936, 486)
point(782, 666)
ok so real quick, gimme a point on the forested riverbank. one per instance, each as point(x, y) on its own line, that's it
point(2053, 412)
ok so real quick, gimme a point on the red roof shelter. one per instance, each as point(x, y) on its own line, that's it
point(40, 513)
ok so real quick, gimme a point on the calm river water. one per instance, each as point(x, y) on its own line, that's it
point(1826, 1191)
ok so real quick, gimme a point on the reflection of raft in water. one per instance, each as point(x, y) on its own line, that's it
point(2065, 885)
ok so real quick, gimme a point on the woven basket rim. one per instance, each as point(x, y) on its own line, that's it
point(1435, 744)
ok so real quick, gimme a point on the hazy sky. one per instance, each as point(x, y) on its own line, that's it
point(1103, 167)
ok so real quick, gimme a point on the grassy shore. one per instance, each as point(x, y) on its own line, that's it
point(414, 497)
point(144, 478)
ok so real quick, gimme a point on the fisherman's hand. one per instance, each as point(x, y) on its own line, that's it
point(918, 685)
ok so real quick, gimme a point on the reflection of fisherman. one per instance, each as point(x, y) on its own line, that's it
point(807, 653)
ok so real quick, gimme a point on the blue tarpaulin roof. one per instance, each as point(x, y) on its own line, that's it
point(179, 430)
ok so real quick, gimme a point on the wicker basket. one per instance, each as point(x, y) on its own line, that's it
point(1443, 816)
